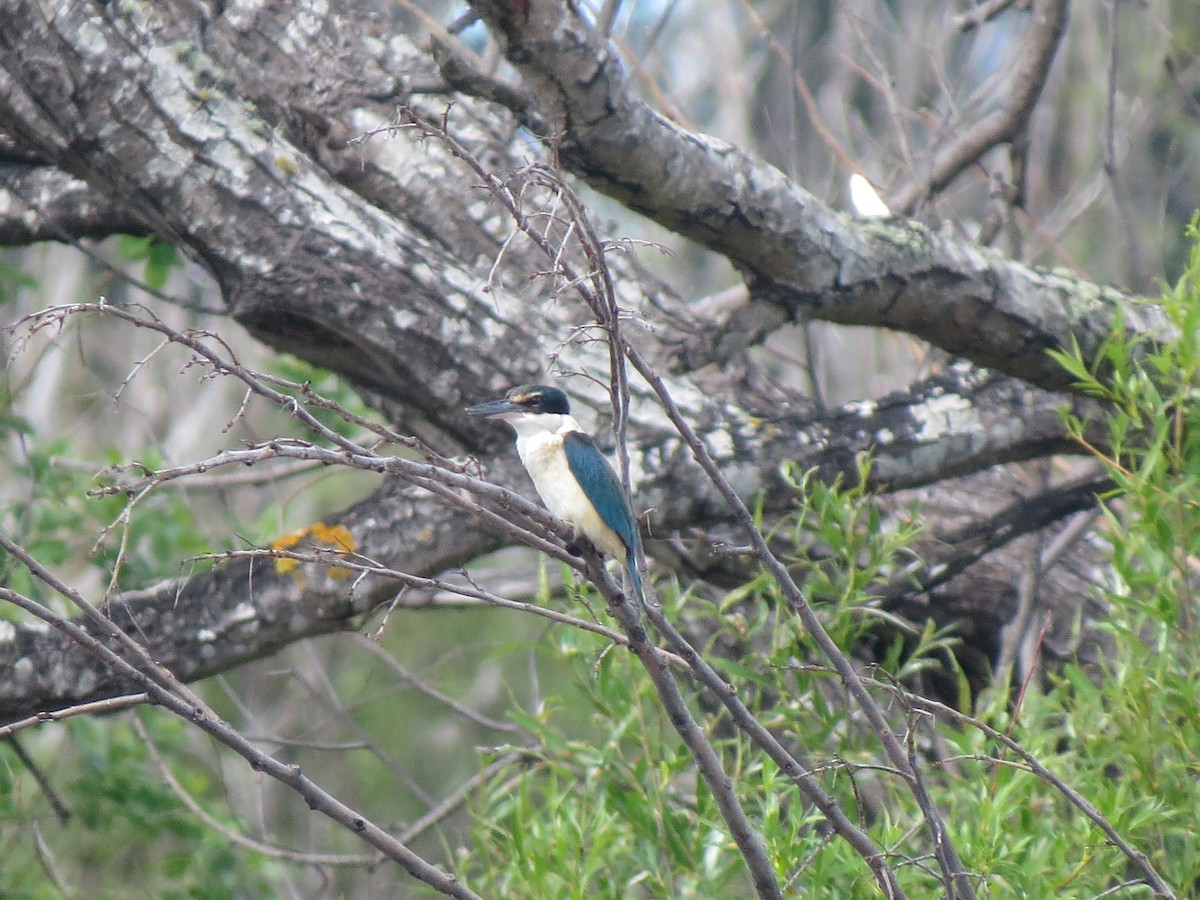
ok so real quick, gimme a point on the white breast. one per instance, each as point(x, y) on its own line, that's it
point(541, 452)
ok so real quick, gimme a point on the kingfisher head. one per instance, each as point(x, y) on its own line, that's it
point(526, 402)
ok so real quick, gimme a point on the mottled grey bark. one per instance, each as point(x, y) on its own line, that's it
point(225, 130)
point(794, 251)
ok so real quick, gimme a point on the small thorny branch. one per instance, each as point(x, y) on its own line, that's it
point(448, 479)
point(127, 657)
point(577, 264)
point(595, 287)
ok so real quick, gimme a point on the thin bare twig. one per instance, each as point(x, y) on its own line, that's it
point(429, 691)
point(224, 361)
point(236, 837)
point(811, 107)
point(56, 805)
point(1048, 22)
point(595, 288)
point(798, 770)
point(606, 16)
point(944, 847)
point(1138, 859)
point(96, 707)
point(982, 13)
point(790, 762)
point(457, 797)
point(1111, 164)
point(167, 691)
point(470, 593)
point(701, 749)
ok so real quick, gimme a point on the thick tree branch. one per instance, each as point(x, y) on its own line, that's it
point(303, 262)
point(795, 251)
point(953, 551)
point(321, 258)
point(208, 622)
point(407, 300)
point(39, 203)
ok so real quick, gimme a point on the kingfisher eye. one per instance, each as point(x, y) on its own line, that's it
point(539, 398)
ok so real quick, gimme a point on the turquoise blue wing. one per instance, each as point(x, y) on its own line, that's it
point(601, 485)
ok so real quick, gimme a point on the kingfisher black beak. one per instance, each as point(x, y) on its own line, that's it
point(493, 408)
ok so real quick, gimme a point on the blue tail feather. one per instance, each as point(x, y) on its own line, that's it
point(635, 577)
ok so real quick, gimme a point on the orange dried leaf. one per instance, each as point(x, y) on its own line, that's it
point(337, 536)
point(283, 566)
point(289, 540)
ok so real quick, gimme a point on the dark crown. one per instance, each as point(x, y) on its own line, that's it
point(540, 398)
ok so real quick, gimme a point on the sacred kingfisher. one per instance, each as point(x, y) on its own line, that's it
point(571, 475)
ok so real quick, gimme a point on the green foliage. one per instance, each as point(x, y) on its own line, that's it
point(48, 504)
point(315, 381)
point(128, 831)
point(158, 257)
point(13, 279)
point(610, 805)
point(1132, 727)
point(844, 550)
